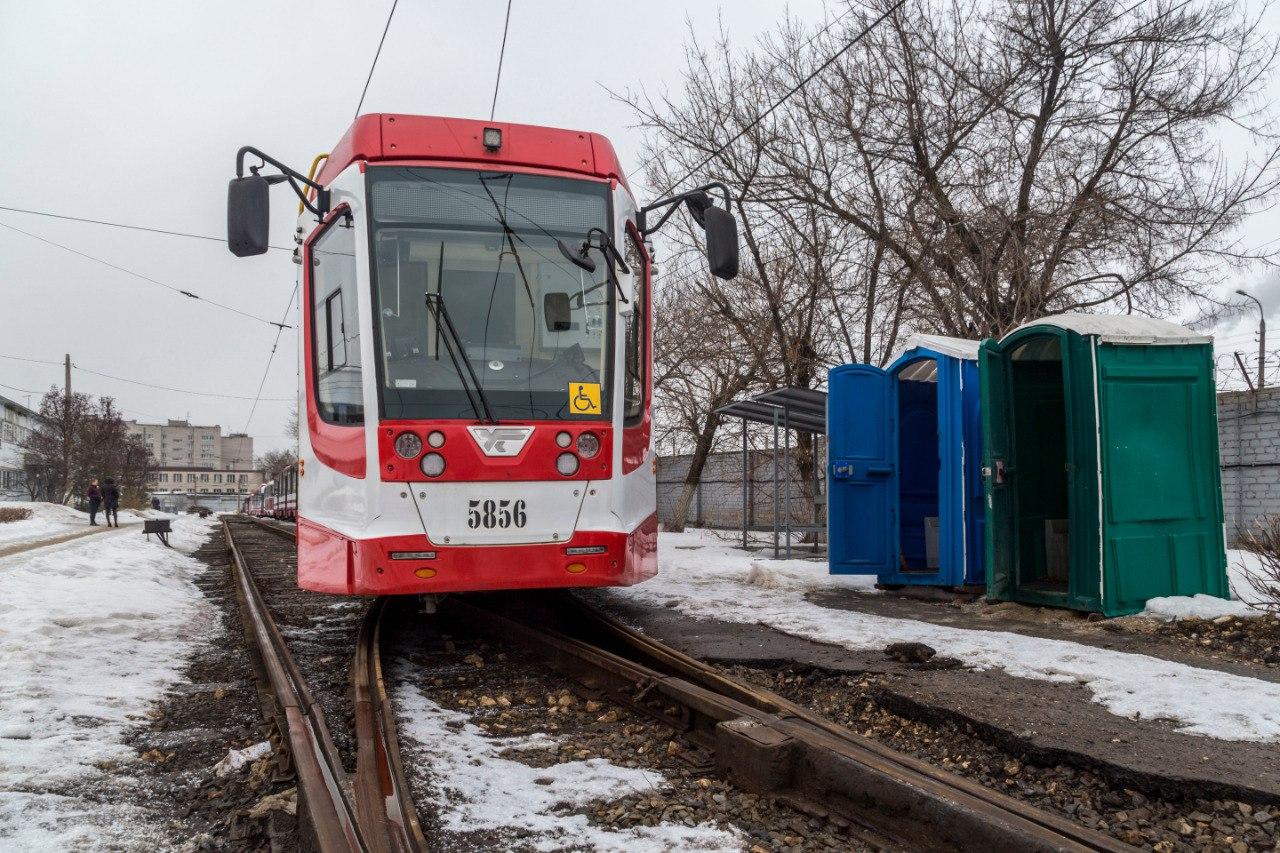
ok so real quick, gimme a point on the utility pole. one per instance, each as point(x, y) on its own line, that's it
point(66, 428)
point(1262, 340)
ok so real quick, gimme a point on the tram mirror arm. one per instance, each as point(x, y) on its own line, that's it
point(248, 202)
point(718, 224)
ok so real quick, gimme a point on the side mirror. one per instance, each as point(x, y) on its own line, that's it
point(555, 312)
point(248, 215)
point(578, 259)
point(722, 241)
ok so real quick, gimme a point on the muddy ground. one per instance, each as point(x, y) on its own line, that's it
point(508, 693)
point(214, 710)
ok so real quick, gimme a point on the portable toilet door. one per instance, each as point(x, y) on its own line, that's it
point(904, 494)
point(1101, 464)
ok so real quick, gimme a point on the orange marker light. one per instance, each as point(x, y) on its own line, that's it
point(425, 573)
point(576, 568)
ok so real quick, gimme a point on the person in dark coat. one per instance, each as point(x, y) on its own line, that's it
point(111, 502)
point(94, 494)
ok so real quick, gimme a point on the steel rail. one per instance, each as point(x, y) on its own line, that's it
point(315, 759)
point(382, 789)
point(383, 806)
point(768, 744)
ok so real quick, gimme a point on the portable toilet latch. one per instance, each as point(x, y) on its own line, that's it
point(841, 470)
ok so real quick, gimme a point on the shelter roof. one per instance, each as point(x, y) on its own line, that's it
point(801, 408)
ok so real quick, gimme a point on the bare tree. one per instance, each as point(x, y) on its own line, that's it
point(1037, 156)
point(77, 439)
point(273, 462)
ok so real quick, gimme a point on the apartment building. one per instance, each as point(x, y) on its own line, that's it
point(181, 444)
point(192, 480)
point(16, 423)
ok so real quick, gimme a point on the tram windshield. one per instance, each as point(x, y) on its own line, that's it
point(534, 327)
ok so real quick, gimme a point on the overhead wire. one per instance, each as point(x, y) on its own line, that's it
point(809, 41)
point(780, 101)
point(168, 387)
point(502, 51)
point(378, 53)
point(138, 275)
point(111, 224)
point(270, 357)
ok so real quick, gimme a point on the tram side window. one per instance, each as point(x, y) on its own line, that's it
point(633, 388)
point(335, 325)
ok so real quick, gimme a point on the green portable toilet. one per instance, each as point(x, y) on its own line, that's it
point(1100, 463)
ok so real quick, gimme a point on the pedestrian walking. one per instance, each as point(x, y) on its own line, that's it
point(94, 494)
point(111, 502)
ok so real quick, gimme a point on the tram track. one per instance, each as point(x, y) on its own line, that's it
point(365, 811)
point(760, 741)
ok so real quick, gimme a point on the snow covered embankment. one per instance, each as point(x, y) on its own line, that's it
point(705, 578)
point(91, 633)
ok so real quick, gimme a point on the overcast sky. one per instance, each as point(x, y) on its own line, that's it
point(133, 112)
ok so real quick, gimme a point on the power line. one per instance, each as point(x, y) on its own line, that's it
point(502, 51)
point(374, 64)
point(139, 275)
point(270, 357)
point(31, 360)
point(169, 388)
point(124, 225)
point(796, 88)
point(809, 41)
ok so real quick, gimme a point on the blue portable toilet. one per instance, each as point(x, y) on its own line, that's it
point(904, 496)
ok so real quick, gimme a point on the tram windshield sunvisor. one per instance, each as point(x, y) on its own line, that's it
point(486, 242)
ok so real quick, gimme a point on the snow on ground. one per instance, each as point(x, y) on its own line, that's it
point(1240, 565)
point(482, 790)
point(91, 633)
point(707, 578)
point(49, 520)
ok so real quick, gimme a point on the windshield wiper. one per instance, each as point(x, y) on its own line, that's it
point(611, 254)
point(458, 355)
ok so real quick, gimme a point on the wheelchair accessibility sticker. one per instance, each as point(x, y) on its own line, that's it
point(584, 398)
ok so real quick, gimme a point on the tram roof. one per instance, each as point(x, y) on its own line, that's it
point(394, 137)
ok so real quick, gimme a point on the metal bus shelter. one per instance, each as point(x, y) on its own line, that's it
point(786, 409)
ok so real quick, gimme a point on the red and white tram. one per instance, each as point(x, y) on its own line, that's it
point(476, 356)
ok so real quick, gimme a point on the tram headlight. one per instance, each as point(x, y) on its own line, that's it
point(435, 438)
point(408, 445)
point(433, 464)
point(563, 439)
point(567, 464)
point(588, 444)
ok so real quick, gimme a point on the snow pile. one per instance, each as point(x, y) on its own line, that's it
point(91, 633)
point(48, 520)
point(237, 758)
point(712, 583)
point(1240, 565)
point(480, 790)
point(709, 561)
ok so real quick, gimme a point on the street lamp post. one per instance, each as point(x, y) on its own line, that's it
point(1262, 339)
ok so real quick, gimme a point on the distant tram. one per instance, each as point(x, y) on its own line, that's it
point(475, 354)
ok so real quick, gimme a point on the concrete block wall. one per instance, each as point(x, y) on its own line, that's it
point(718, 499)
point(1249, 445)
point(1249, 449)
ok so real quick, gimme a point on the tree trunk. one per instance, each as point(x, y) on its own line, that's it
point(700, 453)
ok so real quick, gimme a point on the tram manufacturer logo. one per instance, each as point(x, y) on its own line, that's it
point(501, 440)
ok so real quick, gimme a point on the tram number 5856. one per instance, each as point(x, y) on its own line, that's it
point(490, 514)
